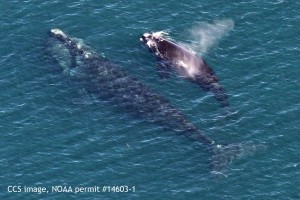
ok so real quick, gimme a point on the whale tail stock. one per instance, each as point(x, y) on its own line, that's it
point(223, 155)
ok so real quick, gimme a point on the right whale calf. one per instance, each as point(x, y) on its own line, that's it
point(110, 83)
point(186, 63)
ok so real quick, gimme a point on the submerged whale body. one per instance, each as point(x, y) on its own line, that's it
point(186, 63)
point(109, 82)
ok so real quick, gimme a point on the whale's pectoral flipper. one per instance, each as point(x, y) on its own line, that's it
point(73, 60)
point(163, 69)
point(210, 83)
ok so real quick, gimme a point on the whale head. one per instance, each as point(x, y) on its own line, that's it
point(71, 54)
point(58, 34)
point(63, 50)
point(150, 40)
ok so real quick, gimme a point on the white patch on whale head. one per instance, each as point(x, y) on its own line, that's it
point(146, 38)
point(151, 40)
point(56, 31)
point(159, 34)
point(147, 35)
point(151, 43)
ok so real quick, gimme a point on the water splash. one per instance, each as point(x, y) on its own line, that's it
point(206, 35)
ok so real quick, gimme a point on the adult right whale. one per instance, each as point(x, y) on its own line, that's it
point(109, 82)
point(186, 63)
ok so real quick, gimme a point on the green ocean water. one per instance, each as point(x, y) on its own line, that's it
point(54, 134)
